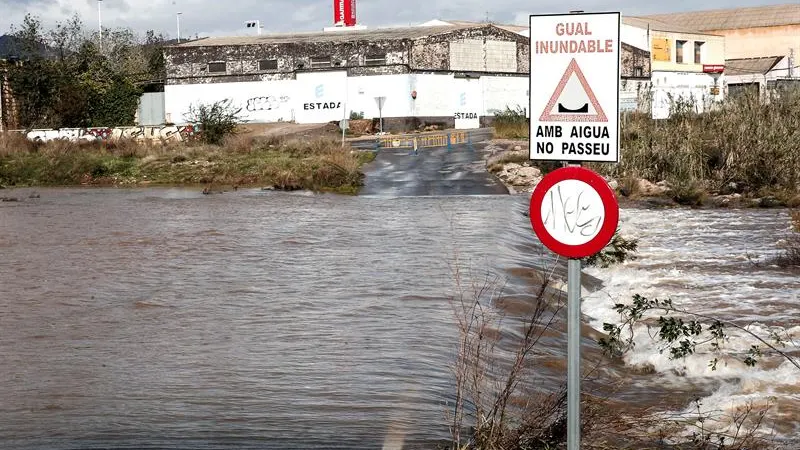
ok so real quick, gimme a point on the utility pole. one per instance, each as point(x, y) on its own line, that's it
point(100, 23)
point(178, 20)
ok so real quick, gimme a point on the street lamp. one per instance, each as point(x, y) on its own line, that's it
point(254, 24)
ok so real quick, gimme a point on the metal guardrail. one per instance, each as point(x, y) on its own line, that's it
point(415, 143)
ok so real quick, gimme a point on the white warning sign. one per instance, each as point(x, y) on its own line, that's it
point(574, 77)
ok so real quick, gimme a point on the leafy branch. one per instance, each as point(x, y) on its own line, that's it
point(680, 336)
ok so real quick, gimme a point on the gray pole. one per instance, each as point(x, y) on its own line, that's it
point(178, 20)
point(100, 23)
point(573, 354)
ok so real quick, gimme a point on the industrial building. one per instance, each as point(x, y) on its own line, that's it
point(762, 43)
point(758, 74)
point(685, 64)
point(753, 32)
point(452, 75)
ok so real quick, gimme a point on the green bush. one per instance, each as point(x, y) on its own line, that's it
point(217, 120)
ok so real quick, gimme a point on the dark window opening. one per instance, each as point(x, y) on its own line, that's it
point(698, 50)
point(638, 71)
point(268, 64)
point(217, 67)
point(679, 51)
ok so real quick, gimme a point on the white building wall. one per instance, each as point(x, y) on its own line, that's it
point(434, 97)
point(397, 89)
point(634, 36)
point(320, 97)
point(260, 101)
point(500, 93)
point(330, 96)
point(468, 100)
point(669, 87)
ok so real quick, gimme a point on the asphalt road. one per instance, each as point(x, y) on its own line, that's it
point(461, 171)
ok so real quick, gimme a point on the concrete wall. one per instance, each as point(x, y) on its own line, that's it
point(162, 133)
point(485, 49)
point(761, 41)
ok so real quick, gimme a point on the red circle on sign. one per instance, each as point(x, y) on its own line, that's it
point(610, 207)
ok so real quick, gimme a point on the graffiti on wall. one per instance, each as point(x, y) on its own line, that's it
point(267, 103)
point(156, 133)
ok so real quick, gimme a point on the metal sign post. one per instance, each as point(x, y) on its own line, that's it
point(575, 213)
point(380, 101)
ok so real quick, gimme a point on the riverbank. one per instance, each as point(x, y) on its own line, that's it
point(508, 160)
point(741, 153)
point(273, 162)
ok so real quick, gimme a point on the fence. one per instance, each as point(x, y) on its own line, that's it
point(448, 140)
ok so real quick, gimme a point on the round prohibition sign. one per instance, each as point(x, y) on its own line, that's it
point(574, 212)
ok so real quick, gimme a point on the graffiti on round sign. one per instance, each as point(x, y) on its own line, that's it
point(572, 212)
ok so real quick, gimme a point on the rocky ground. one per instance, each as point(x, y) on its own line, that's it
point(509, 161)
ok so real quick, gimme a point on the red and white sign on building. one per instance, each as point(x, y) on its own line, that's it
point(344, 12)
point(574, 93)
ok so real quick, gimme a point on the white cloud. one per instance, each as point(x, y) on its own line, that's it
point(215, 17)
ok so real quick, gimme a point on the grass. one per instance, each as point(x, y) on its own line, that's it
point(746, 146)
point(318, 165)
point(511, 124)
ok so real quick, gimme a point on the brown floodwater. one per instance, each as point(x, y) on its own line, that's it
point(161, 317)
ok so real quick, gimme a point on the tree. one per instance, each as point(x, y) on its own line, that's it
point(64, 80)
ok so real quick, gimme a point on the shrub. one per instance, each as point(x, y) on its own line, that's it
point(354, 115)
point(617, 251)
point(217, 120)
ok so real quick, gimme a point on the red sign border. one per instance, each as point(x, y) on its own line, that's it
point(610, 205)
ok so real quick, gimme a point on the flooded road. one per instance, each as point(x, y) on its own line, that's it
point(145, 318)
point(151, 317)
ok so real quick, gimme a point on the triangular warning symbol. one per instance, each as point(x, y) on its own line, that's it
point(575, 104)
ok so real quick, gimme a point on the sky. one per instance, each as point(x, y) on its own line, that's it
point(227, 18)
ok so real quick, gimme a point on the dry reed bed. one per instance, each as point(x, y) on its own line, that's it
point(749, 145)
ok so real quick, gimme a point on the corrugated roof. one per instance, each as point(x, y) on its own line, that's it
point(508, 27)
point(735, 18)
point(659, 25)
point(375, 34)
point(750, 66)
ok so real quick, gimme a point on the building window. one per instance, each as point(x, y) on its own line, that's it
point(698, 51)
point(217, 67)
point(638, 71)
point(268, 64)
point(679, 51)
point(319, 62)
point(377, 59)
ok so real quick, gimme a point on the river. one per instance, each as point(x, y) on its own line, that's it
point(156, 317)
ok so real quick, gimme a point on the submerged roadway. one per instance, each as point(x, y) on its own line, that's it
point(401, 172)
